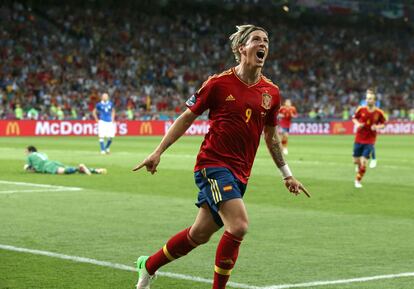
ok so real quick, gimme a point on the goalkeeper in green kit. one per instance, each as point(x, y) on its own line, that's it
point(39, 163)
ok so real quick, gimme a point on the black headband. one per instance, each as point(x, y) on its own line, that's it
point(248, 31)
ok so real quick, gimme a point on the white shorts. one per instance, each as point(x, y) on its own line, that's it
point(106, 129)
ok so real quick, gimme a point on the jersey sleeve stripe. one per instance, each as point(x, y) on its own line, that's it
point(269, 81)
point(359, 108)
point(214, 76)
point(381, 111)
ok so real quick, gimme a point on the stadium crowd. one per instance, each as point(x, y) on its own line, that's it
point(55, 62)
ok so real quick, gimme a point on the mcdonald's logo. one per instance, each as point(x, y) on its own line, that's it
point(338, 128)
point(12, 128)
point(145, 128)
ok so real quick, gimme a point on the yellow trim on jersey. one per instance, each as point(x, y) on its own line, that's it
point(382, 112)
point(226, 72)
point(268, 80)
point(167, 254)
point(204, 173)
point(359, 108)
point(248, 85)
point(222, 271)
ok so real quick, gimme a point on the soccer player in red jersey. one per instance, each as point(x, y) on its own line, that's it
point(368, 120)
point(286, 113)
point(242, 103)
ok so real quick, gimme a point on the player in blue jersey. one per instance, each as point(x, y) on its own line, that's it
point(104, 114)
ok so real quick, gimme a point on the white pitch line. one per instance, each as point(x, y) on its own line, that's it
point(42, 190)
point(118, 266)
point(47, 188)
point(340, 281)
point(199, 279)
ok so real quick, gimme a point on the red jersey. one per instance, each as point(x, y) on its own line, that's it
point(288, 113)
point(237, 114)
point(365, 135)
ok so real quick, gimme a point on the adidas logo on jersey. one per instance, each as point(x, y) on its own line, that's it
point(230, 98)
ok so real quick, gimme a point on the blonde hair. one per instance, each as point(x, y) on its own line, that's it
point(373, 91)
point(240, 37)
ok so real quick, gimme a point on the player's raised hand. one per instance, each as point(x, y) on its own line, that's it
point(151, 163)
point(294, 186)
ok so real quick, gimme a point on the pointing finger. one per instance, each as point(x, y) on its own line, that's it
point(139, 166)
point(305, 191)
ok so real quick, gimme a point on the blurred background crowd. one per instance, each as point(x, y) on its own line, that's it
point(56, 60)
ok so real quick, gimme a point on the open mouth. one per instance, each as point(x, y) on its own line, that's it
point(260, 54)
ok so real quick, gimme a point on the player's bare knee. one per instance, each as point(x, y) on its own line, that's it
point(239, 229)
point(364, 162)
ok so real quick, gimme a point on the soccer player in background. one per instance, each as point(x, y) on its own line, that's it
point(373, 157)
point(242, 103)
point(286, 113)
point(39, 163)
point(368, 120)
point(104, 114)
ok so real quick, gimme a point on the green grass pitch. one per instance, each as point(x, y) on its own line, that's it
point(340, 233)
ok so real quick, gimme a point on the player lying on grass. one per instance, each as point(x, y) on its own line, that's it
point(242, 104)
point(39, 163)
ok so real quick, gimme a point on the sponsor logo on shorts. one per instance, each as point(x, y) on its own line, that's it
point(227, 188)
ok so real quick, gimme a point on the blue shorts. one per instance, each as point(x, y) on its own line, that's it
point(364, 150)
point(217, 185)
point(284, 129)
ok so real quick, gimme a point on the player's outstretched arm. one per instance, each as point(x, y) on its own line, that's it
point(272, 139)
point(179, 127)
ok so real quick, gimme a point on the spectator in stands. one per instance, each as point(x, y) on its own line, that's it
point(411, 115)
point(64, 58)
point(18, 111)
point(32, 113)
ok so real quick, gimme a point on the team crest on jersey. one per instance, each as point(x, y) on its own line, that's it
point(266, 100)
point(191, 101)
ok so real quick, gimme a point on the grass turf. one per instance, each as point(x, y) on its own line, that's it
point(340, 233)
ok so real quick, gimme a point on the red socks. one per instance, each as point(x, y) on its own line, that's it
point(179, 245)
point(361, 173)
point(284, 142)
point(226, 256)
